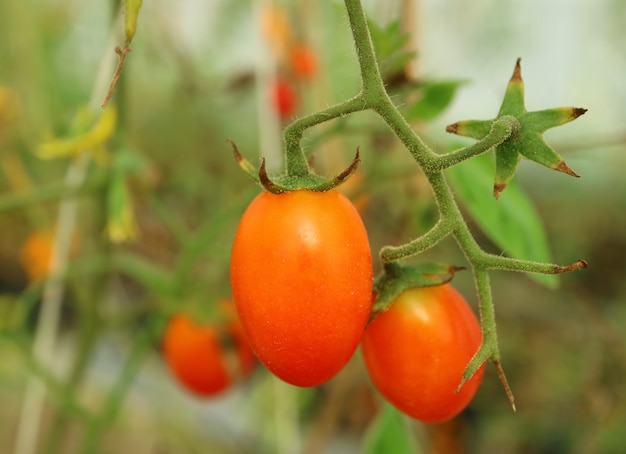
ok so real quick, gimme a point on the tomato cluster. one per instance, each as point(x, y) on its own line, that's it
point(301, 278)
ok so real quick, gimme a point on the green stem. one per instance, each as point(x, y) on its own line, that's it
point(86, 341)
point(295, 158)
point(64, 398)
point(489, 349)
point(498, 262)
point(373, 89)
point(501, 130)
point(390, 254)
point(371, 78)
point(45, 194)
point(451, 220)
point(489, 346)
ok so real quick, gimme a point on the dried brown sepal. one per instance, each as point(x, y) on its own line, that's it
point(497, 189)
point(340, 178)
point(452, 269)
point(453, 128)
point(517, 71)
point(267, 183)
point(579, 264)
point(505, 384)
point(121, 54)
point(245, 165)
point(343, 176)
point(562, 167)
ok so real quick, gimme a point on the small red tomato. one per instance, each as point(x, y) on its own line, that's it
point(303, 61)
point(206, 358)
point(284, 97)
point(417, 350)
point(301, 278)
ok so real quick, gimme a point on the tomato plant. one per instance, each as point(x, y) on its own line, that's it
point(417, 350)
point(301, 277)
point(206, 357)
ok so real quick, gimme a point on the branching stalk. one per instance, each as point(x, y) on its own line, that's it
point(373, 96)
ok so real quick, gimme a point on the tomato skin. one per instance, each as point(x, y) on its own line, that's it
point(197, 356)
point(301, 278)
point(417, 350)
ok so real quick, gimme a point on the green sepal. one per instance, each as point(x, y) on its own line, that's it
point(527, 141)
point(281, 184)
point(476, 129)
point(507, 159)
point(396, 278)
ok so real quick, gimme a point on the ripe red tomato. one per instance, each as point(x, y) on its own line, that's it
point(301, 278)
point(206, 358)
point(284, 97)
point(417, 350)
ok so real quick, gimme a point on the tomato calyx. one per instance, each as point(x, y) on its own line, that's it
point(287, 183)
point(396, 278)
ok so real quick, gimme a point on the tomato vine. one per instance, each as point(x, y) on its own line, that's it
point(510, 134)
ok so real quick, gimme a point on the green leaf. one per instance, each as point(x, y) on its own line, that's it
point(158, 280)
point(435, 97)
point(389, 433)
point(511, 223)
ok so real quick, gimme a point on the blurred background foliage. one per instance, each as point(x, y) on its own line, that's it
point(201, 72)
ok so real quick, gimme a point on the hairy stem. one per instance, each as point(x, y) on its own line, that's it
point(501, 130)
point(295, 159)
point(451, 219)
point(390, 254)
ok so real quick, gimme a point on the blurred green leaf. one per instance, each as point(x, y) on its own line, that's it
point(511, 223)
point(389, 433)
point(121, 223)
point(390, 47)
point(156, 279)
point(435, 97)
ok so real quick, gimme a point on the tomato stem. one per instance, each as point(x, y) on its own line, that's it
point(505, 131)
point(506, 127)
point(295, 159)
